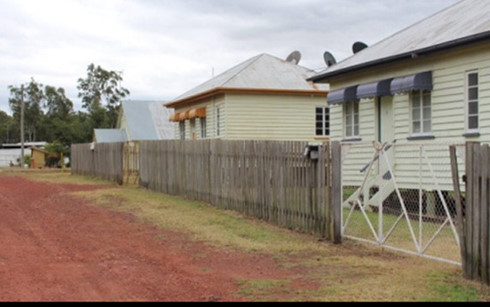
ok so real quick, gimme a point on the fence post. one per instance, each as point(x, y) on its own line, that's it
point(321, 201)
point(459, 204)
point(119, 167)
point(336, 192)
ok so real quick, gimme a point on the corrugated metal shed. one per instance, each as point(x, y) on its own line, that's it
point(462, 22)
point(110, 135)
point(260, 72)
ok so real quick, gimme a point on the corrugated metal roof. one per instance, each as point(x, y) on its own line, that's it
point(147, 120)
point(144, 121)
point(161, 116)
point(260, 72)
point(465, 19)
point(110, 135)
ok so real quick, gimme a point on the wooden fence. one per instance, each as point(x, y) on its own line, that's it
point(104, 161)
point(473, 211)
point(272, 181)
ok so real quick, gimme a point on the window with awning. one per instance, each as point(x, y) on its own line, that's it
point(183, 116)
point(343, 95)
point(197, 113)
point(374, 89)
point(190, 114)
point(174, 117)
point(417, 82)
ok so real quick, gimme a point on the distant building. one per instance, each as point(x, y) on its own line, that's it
point(138, 121)
point(38, 157)
point(263, 98)
point(10, 153)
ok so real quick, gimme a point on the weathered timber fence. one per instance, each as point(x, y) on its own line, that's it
point(100, 160)
point(473, 211)
point(272, 181)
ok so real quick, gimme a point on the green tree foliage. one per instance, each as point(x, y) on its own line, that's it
point(8, 128)
point(49, 115)
point(56, 102)
point(101, 91)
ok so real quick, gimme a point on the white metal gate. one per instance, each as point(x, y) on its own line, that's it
point(400, 197)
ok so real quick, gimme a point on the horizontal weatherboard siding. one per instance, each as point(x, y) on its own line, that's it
point(271, 117)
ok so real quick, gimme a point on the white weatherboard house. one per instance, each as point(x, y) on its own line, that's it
point(138, 121)
point(263, 98)
point(426, 84)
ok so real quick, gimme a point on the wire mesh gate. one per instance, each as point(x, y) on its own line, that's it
point(400, 197)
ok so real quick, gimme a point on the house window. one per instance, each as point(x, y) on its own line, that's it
point(352, 119)
point(203, 128)
point(322, 121)
point(218, 122)
point(472, 101)
point(182, 130)
point(193, 129)
point(421, 112)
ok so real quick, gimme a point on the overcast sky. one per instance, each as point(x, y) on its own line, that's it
point(165, 47)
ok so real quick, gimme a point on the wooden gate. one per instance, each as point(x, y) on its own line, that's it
point(131, 165)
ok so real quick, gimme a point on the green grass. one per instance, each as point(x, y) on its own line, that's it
point(348, 272)
point(446, 289)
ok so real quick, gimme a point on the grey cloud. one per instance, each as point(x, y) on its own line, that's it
point(150, 36)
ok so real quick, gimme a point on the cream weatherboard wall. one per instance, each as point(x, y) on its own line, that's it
point(448, 106)
point(271, 117)
point(258, 117)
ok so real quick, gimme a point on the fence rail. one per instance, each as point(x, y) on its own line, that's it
point(104, 161)
point(269, 180)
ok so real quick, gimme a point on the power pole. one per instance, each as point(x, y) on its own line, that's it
point(22, 126)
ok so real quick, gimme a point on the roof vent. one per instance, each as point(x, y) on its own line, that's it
point(358, 46)
point(294, 57)
point(329, 59)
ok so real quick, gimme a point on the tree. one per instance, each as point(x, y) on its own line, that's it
point(101, 89)
point(56, 102)
point(7, 132)
point(32, 94)
point(56, 152)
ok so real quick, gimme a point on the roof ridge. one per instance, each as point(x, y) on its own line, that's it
point(251, 61)
point(256, 58)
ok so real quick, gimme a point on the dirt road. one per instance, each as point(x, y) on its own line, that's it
point(56, 247)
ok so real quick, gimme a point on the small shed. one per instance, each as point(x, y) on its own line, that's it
point(38, 157)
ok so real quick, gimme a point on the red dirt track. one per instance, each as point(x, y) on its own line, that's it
point(56, 247)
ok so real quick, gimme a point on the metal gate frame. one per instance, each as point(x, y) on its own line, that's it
point(379, 235)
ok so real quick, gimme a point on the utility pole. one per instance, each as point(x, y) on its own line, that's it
point(22, 126)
